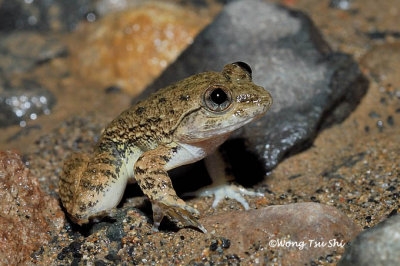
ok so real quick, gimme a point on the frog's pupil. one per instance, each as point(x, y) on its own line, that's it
point(218, 96)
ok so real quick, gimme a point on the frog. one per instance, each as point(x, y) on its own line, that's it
point(177, 125)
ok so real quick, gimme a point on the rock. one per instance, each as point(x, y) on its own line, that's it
point(301, 224)
point(130, 48)
point(379, 245)
point(21, 51)
point(103, 7)
point(29, 218)
point(42, 15)
point(341, 4)
point(290, 59)
point(24, 101)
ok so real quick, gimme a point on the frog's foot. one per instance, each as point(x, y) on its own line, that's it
point(177, 211)
point(225, 190)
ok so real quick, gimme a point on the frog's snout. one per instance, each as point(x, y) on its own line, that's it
point(263, 97)
point(267, 98)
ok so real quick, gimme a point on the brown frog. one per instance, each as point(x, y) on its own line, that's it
point(177, 125)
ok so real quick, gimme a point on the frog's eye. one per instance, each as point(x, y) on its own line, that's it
point(245, 67)
point(217, 98)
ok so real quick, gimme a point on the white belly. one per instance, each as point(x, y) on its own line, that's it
point(193, 152)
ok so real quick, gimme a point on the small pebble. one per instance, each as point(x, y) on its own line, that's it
point(214, 245)
point(390, 120)
point(226, 243)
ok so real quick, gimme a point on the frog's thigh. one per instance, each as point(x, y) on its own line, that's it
point(90, 186)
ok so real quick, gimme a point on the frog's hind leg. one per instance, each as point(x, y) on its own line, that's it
point(70, 180)
point(153, 179)
point(90, 186)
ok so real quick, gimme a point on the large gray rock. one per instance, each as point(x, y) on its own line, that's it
point(290, 59)
point(379, 245)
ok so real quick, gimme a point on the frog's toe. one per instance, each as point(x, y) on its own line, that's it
point(230, 191)
point(179, 212)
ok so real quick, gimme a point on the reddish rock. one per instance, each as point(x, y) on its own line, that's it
point(29, 218)
point(300, 224)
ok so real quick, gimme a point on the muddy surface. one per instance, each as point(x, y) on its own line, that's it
point(352, 166)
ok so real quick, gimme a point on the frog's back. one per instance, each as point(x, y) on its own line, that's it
point(154, 120)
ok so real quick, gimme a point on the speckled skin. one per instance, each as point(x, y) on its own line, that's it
point(177, 125)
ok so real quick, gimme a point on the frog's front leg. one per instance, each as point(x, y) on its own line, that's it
point(222, 186)
point(152, 177)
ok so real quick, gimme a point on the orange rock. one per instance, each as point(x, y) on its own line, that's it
point(132, 47)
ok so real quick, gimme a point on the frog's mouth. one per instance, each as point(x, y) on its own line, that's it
point(220, 130)
point(203, 125)
point(193, 135)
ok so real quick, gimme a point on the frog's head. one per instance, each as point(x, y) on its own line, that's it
point(225, 102)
